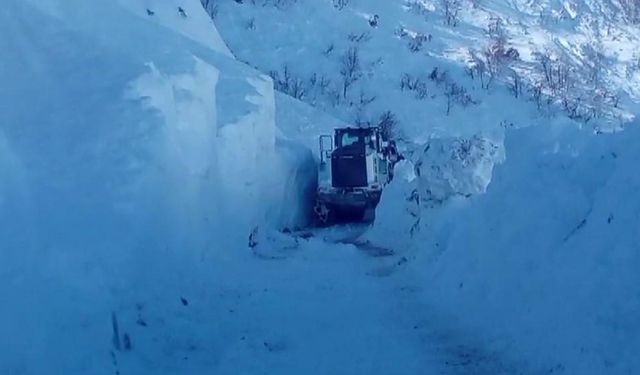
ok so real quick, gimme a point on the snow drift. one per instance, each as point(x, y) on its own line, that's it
point(544, 264)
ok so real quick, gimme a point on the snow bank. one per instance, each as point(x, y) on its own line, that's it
point(455, 166)
point(438, 173)
point(544, 264)
point(398, 213)
point(131, 158)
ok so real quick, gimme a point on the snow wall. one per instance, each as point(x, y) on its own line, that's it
point(544, 264)
point(132, 152)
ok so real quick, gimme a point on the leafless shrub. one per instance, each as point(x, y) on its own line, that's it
point(251, 24)
point(416, 42)
point(364, 100)
point(288, 83)
point(340, 4)
point(401, 32)
point(281, 4)
point(417, 85)
point(359, 38)
point(323, 84)
point(327, 51)
point(457, 94)
point(438, 76)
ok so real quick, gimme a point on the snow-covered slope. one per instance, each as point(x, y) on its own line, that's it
point(532, 60)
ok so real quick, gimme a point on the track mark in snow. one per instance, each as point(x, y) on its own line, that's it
point(371, 248)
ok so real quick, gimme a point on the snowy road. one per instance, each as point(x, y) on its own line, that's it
point(333, 308)
point(327, 308)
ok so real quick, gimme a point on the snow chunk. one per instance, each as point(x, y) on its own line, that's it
point(455, 166)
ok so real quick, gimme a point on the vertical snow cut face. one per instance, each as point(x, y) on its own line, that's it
point(247, 149)
point(130, 156)
point(188, 107)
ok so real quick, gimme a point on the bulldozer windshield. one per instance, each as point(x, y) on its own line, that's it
point(347, 139)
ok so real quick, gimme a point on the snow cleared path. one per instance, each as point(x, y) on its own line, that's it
point(326, 308)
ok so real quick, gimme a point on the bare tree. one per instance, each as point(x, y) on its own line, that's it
point(350, 69)
point(515, 84)
point(478, 69)
point(498, 55)
point(451, 10)
point(594, 60)
point(535, 91)
point(544, 59)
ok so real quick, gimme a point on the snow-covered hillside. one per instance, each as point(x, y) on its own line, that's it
point(444, 66)
point(153, 188)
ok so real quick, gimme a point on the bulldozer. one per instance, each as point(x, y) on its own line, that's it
point(355, 165)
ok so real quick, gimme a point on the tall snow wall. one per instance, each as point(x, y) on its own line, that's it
point(131, 153)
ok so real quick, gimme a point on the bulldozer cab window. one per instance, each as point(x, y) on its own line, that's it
point(347, 139)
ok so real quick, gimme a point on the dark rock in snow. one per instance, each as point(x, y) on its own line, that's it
point(127, 342)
